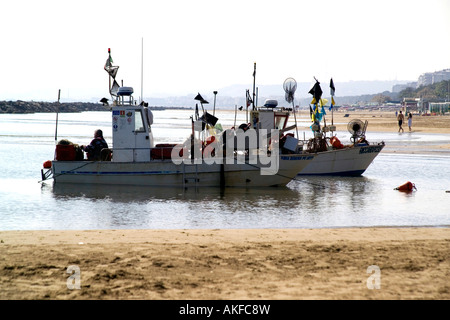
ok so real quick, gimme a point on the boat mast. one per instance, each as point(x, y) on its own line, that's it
point(254, 77)
point(142, 69)
point(109, 75)
point(214, 109)
point(57, 111)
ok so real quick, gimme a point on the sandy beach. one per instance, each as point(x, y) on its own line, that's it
point(269, 264)
point(384, 121)
point(256, 264)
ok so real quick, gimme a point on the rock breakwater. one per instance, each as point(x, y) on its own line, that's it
point(20, 106)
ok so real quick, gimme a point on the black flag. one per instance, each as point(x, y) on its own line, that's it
point(249, 100)
point(200, 98)
point(316, 91)
point(332, 89)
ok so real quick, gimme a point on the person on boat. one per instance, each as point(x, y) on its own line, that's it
point(94, 149)
point(400, 119)
point(409, 121)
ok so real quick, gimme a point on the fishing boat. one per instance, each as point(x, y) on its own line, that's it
point(332, 157)
point(232, 158)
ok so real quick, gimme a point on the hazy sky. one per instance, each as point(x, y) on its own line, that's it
point(195, 46)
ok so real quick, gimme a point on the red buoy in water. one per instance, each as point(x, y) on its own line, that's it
point(407, 186)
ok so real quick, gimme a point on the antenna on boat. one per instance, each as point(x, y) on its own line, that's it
point(214, 109)
point(332, 90)
point(57, 111)
point(290, 86)
point(254, 77)
point(142, 69)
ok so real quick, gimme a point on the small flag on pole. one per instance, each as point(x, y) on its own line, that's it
point(200, 98)
point(249, 100)
point(112, 71)
point(332, 89)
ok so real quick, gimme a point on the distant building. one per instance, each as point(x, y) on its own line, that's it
point(415, 104)
point(443, 75)
point(428, 78)
point(410, 102)
point(439, 107)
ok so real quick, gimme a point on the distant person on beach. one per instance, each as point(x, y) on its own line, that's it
point(94, 149)
point(400, 119)
point(409, 121)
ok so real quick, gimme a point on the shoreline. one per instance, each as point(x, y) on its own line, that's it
point(227, 264)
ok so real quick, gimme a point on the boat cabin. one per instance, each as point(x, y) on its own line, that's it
point(131, 128)
point(269, 118)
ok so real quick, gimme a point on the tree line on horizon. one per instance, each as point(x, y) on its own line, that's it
point(435, 91)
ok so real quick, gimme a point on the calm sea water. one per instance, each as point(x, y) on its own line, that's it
point(27, 140)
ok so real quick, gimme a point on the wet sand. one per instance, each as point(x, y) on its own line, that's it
point(387, 122)
point(269, 264)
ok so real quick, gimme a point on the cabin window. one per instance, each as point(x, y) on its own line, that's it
point(138, 122)
point(280, 121)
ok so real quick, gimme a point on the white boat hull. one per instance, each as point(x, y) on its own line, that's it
point(166, 173)
point(350, 161)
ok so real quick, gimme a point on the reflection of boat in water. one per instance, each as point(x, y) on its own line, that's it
point(135, 160)
point(235, 197)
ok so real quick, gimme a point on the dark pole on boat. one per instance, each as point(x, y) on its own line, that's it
point(57, 111)
point(332, 90)
point(222, 174)
point(248, 100)
point(109, 53)
point(295, 118)
point(214, 109)
point(254, 77)
point(142, 70)
point(192, 138)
